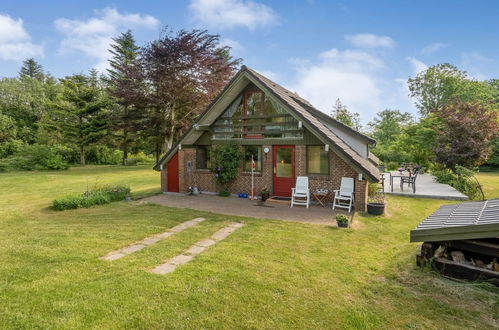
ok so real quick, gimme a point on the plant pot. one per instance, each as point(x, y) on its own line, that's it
point(265, 196)
point(376, 208)
point(342, 224)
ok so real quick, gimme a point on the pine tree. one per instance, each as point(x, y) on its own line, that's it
point(79, 114)
point(126, 84)
point(31, 69)
point(341, 114)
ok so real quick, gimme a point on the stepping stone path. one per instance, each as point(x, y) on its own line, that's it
point(195, 249)
point(150, 240)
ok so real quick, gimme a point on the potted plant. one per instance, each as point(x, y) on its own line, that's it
point(265, 194)
point(342, 220)
point(376, 200)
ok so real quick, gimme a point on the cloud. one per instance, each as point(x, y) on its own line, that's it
point(368, 40)
point(434, 47)
point(477, 65)
point(15, 42)
point(346, 74)
point(93, 36)
point(227, 14)
point(235, 45)
point(417, 65)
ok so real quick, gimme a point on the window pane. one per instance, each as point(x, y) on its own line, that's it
point(317, 160)
point(203, 159)
point(284, 166)
point(256, 152)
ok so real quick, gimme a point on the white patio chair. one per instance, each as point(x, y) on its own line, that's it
point(300, 195)
point(343, 197)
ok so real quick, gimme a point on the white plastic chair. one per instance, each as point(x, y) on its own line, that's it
point(343, 197)
point(300, 195)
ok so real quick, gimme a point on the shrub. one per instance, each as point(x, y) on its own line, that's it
point(226, 161)
point(9, 148)
point(103, 155)
point(35, 157)
point(391, 166)
point(444, 176)
point(142, 157)
point(96, 196)
point(462, 179)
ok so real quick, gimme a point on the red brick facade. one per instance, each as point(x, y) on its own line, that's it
point(205, 180)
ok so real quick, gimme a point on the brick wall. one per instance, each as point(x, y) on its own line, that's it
point(205, 180)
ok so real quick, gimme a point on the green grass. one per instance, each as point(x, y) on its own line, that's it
point(268, 274)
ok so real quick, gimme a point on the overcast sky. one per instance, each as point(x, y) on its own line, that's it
point(359, 51)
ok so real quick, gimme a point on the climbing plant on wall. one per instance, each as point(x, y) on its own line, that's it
point(226, 162)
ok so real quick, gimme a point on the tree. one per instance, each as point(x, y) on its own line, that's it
point(467, 129)
point(126, 84)
point(185, 72)
point(31, 69)
point(444, 83)
point(435, 87)
point(8, 129)
point(80, 111)
point(417, 141)
point(343, 115)
point(388, 125)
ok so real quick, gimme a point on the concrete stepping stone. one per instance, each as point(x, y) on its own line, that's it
point(196, 249)
point(114, 255)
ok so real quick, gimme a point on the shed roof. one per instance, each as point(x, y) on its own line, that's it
point(460, 221)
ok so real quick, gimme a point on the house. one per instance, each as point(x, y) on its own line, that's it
point(284, 133)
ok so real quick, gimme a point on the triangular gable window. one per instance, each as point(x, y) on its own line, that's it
point(253, 115)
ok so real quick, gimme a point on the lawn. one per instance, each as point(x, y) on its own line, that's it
point(268, 274)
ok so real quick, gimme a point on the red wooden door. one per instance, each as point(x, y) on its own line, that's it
point(172, 170)
point(284, 170)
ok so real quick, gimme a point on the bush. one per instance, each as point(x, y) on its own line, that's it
point(103, 155)
point(462, 179)
point(226, 161)
point(142, 157)
point(444, 176)
point(391, 166)
point(96, 196)
point(10, 148)
point(34, 157)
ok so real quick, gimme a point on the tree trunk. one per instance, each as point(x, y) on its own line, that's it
point(158, 151)
point(82, 156)
point(125, 145)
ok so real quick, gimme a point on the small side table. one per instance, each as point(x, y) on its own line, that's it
point(321, 196)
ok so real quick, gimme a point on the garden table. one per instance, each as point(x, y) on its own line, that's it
point(321, 196)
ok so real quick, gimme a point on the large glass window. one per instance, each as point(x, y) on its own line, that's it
point(256, 153)
point(254, 107)
point(317, 160)
point(203, 157)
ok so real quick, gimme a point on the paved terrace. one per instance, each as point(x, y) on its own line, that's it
point(248, 208)
point(426, 187)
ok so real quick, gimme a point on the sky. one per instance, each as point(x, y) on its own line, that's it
point(362, 52)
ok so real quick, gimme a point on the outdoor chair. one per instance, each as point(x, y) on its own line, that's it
point(300, 195)
point(410, 180)
point(343, 197)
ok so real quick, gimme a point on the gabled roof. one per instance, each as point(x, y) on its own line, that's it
point(469, 220)
point(315, 120)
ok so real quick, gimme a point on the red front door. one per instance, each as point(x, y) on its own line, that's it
point(172, 170)
point(284, 170)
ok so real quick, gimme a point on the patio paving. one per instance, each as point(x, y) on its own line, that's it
point(426, 187)
point(248, 208)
